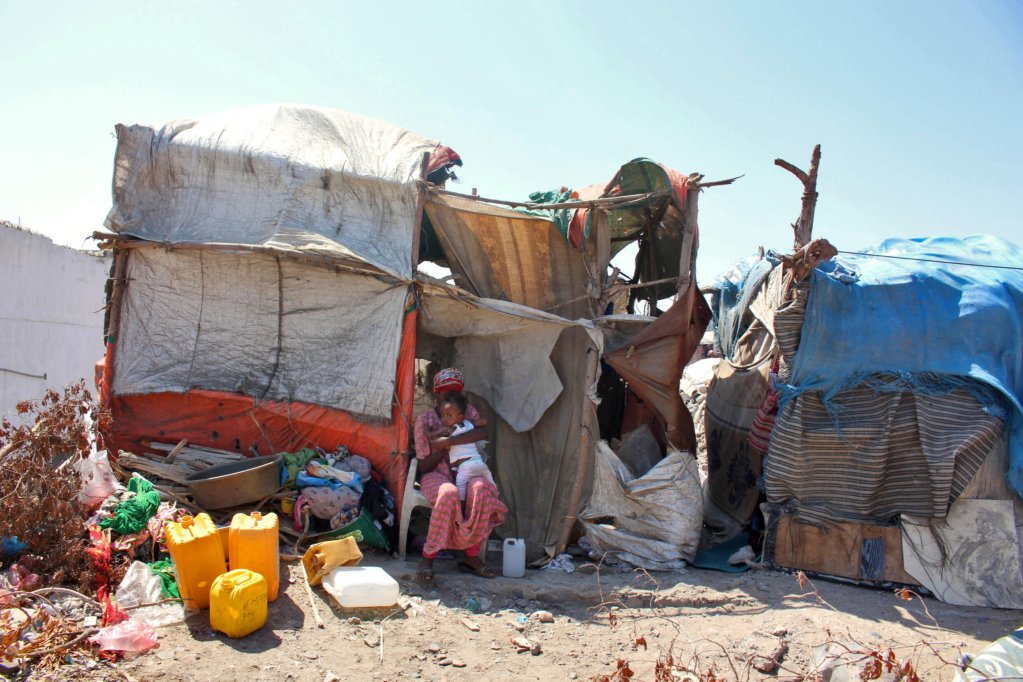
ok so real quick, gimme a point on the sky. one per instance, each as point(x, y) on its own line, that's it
point(916, 105)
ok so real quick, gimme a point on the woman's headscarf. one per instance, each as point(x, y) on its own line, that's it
point(447, 380)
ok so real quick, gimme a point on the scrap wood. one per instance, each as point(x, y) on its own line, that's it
point(177, 450)
point(309, 593)
point(188, 460)
point(471, 625)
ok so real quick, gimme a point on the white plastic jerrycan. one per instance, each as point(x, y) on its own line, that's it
point(514, 557)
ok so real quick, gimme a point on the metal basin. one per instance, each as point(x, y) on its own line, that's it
point(237, 483)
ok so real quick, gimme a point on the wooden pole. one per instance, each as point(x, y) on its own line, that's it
point(420, 207)
point(803, 227)
point(119, 271)
point(690, 237)
point(606, 202)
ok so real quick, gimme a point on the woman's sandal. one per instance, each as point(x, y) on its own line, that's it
point(482, 571)
point(424, 576)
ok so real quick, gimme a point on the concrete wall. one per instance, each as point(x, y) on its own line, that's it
point(51, 317)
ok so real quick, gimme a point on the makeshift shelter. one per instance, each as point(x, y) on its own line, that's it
point(264, 297)
point(880, 401)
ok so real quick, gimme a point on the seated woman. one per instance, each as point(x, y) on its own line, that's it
point(449, 528)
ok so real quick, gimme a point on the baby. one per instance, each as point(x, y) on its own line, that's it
point(465, 458)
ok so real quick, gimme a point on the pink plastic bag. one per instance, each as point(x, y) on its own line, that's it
point(127, 636)
point(98, 481)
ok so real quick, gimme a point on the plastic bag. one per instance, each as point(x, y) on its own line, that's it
point(129, 636)
point(98, 481)
point(141, 585)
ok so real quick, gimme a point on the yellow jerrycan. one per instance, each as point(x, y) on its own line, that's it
point(254, 545)
point(198, 557)
point(238, 603)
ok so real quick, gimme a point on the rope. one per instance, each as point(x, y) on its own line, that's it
point(934, 260)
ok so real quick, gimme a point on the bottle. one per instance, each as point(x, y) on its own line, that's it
point(254, 544)
point(198, 557)
point(514, 558)
point(238, 603)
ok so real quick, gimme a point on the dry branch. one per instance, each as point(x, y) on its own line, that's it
point(803, 227)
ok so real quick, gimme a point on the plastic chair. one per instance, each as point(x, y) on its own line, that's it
point(413, 499)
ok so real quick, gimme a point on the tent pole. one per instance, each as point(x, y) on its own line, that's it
point(420, 207)
point(585, 445)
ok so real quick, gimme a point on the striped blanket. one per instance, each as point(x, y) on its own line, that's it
point(880, 452)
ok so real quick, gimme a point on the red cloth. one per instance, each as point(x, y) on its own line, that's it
point(448, 528)
point(99, 552)
point(442, 157)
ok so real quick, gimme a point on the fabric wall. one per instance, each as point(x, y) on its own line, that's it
point(262, 326)
point(235, 422)
point(299, 178)
point(518, 257)
point(879, 452)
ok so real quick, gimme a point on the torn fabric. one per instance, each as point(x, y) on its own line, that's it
point(300, 179)
point(652, 361)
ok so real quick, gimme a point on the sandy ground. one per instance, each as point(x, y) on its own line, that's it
point(701, 618)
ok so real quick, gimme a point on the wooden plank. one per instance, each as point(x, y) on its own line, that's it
point(847, 549)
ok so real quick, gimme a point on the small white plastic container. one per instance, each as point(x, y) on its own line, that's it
point(361, 587)
point(514, 557)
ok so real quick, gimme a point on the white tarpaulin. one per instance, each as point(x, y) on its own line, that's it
point(296, 178)
point(969, 558)
point(655, 519)
point(503, 349)
point(258, 325)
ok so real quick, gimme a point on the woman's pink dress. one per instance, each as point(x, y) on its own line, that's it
point(483, 506)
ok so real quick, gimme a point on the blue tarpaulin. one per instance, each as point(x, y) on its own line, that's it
point(922, 321)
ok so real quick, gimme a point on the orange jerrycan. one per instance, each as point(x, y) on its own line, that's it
point(198, 557)
point(238, 603)
point(254, 545)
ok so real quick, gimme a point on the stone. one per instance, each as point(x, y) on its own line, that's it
point(535, 649)
point(331, 677)
point(311, 655)
point(457, 663)
point(433, 648)
point(543, 616)
point(354, 621)
point(444, 661)
point(371, 642)
point(780, 632)
point(573, 675)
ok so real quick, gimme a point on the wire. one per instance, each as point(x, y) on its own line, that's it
point(24, 374)
point(933, 260)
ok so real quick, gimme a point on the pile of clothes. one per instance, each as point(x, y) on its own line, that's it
point(335, 491)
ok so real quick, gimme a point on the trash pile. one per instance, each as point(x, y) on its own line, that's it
point(153, 537)
point(338, 494)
